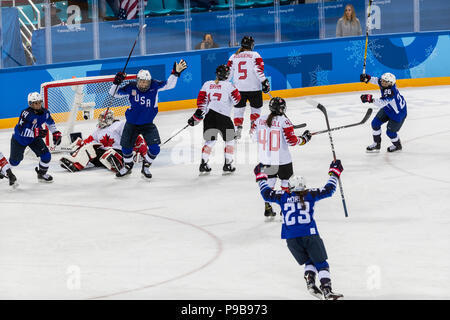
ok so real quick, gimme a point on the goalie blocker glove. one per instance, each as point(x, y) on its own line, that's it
point(178, 68)
point(364, 77)
point(196, 118)
point(265, 86)
point(118, 79)
point(57, 136)
point(336, 168)
point(367, 98)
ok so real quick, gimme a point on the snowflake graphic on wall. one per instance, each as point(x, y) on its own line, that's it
point(431, 52)
point(416, 69)
point(294, 58)
point(211, 57)
point(357, 49)
point(319, 76)
point(187, 77)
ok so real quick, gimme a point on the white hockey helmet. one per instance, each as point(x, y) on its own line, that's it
point(389, 78)
point(34, 97)
point(296, 183)
point(105, 120)
point(143, 80)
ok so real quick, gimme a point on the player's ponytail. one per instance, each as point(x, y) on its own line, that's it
point(301, 195)
point(270, 119)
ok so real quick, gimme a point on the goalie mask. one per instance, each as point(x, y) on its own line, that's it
point(277, 105)
point(144, 79)
point(296, 183)
point(105, 121)
point(387, 80)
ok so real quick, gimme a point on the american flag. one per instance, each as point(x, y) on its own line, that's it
point(129, 9)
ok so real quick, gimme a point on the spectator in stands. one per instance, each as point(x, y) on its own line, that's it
point(349, 24)
point(55, 20)
point(207, 42)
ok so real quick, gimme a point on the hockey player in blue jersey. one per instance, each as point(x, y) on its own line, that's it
point(143, 96)
point(393, 111)
point(299, 228)
point(29, 133)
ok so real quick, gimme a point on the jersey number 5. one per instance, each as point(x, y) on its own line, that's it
point(303, 214)
point(242, 71)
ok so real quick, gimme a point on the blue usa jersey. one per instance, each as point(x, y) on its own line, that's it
point(144, 105)
point(28, 121)
point(392, 102)
point(298, 218)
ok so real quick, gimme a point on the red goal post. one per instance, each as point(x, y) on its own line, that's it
point(70, 100)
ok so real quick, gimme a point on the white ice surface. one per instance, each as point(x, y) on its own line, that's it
point(181, 236)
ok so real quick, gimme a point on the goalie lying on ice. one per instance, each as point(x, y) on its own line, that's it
point(102, 148)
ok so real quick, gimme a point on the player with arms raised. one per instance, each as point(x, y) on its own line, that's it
point(102, 148)
point(29, 133)
point(275, 133)
point(393, 111)
point(143, 96)
point(299, 228)
point(215, 102)
point(247, 72)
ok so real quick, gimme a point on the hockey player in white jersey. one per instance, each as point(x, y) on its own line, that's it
point(102, 148)
point(275, 133)
point(5, 170)
point(247, 74)
point(215, 103)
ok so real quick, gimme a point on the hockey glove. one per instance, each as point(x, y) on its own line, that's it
point(367, 98)
point(265, 86)
point(40, 133)
point(259, 173)
point(57, 136)
point(306, 136)
point(364, 77)
point(196, 118)
point(336, 168)
point(118, 79)
point(178, 68)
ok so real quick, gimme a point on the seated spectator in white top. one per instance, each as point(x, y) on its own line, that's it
point(349, 24)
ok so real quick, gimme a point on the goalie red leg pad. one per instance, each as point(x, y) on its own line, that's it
point(3, 162)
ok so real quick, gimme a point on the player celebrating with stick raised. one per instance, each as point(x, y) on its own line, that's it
point(274, 134)
point(216, 99)
point(247, 72)
point(143, 96)
point(393, 111)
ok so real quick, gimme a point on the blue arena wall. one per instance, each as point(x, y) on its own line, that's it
point(289, 65)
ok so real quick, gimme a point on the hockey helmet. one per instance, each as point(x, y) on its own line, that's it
point(277, 105)
point(388, 79)
point(143, 80)
point(222, 72)
point(105, 119)
point(33, 98)
point(247, 42)
point(296, 183)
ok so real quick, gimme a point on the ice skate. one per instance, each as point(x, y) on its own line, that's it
point(146, 170)
point(12, 178)
point(269, 213)
point(238, 132)
point(373, 148)
point(328, 294)
point(397, 146)
point(204, 167)
point(228, 167)
point(43, 176)
point(310, 279)
point(124, 171)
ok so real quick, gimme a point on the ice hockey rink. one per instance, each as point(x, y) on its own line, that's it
point(90, 235)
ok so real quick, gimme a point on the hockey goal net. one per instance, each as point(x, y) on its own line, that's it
point(77, 100)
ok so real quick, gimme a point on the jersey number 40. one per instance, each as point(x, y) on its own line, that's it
point(274, 139)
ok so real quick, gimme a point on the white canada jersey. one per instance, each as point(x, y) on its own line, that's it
point(220, 97)
point(274, 142)
point(247, 70)
point(109, 137)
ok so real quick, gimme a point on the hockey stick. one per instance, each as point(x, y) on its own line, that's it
point(175, 134)
point(367, 37)
point(366, 116)
point(126, 63)
point(324, 111)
